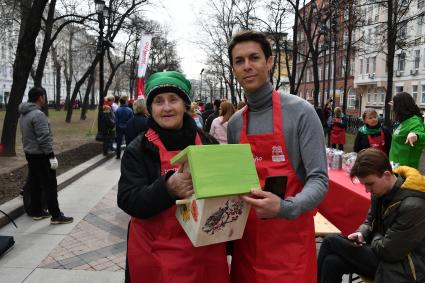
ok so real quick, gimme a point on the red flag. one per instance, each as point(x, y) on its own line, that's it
point(140, 91)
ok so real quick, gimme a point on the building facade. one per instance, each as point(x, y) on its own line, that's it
point(409, 63)
point(329, 31)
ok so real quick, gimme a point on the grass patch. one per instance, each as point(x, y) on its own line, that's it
point(78, 131)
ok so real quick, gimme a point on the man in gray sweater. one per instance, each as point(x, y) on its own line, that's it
point(286, 139)
point(37, 142)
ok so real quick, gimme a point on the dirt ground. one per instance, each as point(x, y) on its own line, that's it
point(73, 144)
point(11, 182)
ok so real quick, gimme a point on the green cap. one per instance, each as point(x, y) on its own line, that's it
point(167, 82)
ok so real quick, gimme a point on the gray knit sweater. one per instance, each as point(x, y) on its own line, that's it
point(305, 143)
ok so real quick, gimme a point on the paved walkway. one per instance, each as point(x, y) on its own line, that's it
point(91, 249)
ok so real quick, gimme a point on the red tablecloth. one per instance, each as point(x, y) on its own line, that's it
point(346, 204)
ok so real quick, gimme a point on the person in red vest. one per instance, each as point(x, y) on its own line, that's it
point(286, 138)
point(158, 249)
point(372, 133)
point(338, 126)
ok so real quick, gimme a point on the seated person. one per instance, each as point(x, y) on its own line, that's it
point(390, 245)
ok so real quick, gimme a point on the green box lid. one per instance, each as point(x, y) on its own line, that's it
point(220, 170)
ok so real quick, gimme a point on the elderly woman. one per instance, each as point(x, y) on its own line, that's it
point(408, 138)
point(158, 249)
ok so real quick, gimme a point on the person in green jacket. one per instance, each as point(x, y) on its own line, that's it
point(408, 138)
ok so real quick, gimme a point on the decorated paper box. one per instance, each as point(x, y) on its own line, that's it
point(220, 173)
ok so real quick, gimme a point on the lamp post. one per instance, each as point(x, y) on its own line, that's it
point(102, 13)
point(200, 91)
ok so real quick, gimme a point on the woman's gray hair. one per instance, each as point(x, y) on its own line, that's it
point(139, 106)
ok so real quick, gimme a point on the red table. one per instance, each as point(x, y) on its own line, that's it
point(346, 204)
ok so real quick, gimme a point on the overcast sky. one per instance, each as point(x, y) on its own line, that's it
point(180, 17)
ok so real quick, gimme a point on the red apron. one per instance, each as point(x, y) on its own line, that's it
point(274, 250)
point(160, 251)
point(337, 134)
point(377, 142)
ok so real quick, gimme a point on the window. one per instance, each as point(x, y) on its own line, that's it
point(424, 59)
point(423, 95)
point(403, 31)
point(400, 61)
point(361, 66)
point(369, 98)
point(373, 64)
point(352, 99)
point(417, 59)
point(367, 65)
point(419, 22)
point(414, 92)
point(398, 89)
point(382, 96)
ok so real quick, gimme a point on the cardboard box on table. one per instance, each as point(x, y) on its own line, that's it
point(220, 173)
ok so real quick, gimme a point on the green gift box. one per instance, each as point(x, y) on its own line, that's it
point(215, 213)
point(220, 170)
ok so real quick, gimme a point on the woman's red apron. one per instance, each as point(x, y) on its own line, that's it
point(159, 249)
point(378, 141)
point(337, 134)
point(274, 250)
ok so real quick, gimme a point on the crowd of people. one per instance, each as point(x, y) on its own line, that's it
point(287, 137)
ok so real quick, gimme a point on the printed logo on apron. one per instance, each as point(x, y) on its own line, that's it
point(277, 154)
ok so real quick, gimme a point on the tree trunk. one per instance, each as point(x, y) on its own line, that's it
point(87, 97)
point(292, 78)
point(25, 54)
point(58, 86)
point(92, 99)
point(77, 87)
point(391, 39)
point(316, 82)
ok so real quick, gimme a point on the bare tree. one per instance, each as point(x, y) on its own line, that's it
point(31, 13)
point(226, 18)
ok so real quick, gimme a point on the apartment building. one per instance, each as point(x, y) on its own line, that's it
point(371, 73)
point(327, 35)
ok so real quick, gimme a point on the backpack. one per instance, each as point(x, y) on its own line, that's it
point(6, 242)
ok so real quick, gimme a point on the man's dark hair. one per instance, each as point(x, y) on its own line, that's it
point(404, 106)
point(250, 35)
point(35, 92)
point(208, 106)
point(370, 161)
point(123, 101)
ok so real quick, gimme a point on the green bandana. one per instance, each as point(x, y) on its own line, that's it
point(369, 131)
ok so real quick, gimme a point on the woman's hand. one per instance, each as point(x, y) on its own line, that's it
point(179, 185)
point(411, 138)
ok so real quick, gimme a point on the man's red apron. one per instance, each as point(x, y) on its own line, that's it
point(378, 141)
point(274, 250)
point(159, 249)
point(337, 134)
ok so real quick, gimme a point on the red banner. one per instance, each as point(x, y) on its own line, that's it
point(140, 90)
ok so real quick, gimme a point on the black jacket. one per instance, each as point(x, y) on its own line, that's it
point(136, 125)
point(107, 124)
point(361, 141)
point(395, 229)
point(141, 189)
